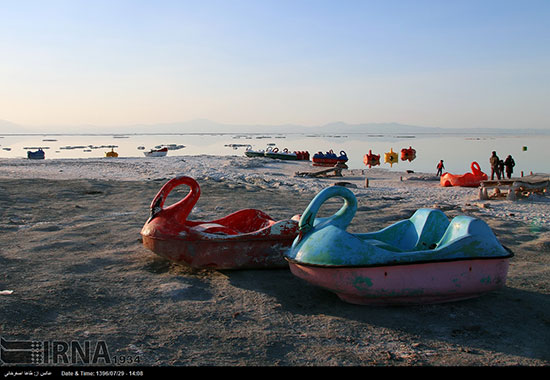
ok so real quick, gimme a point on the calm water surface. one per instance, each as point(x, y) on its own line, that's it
point(531, 153)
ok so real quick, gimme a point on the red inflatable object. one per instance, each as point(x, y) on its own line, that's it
point(244, 239)
point(408, 154)
point(371, 159)
point(472, 179)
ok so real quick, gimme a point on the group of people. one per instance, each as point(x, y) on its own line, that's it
point(498, 167)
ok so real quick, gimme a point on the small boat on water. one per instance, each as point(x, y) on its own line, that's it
point(157, 152)
point(423, 259)
point(175, 146)
point(38, 155)
point(247, 238)
point(329, 158)
point(112, 153)
point(472, 179)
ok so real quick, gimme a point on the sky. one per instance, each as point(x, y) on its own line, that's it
point(444, 63)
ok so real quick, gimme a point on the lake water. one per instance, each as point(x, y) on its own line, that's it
point(530, 152)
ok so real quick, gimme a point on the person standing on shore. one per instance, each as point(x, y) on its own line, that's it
point(440, 168)
point(509, 163)
point(493, 160)
point(501, 168)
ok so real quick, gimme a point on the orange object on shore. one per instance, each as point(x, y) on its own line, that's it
point(371, 159)
point(390, 157)
point(472, 179)
point(408, 154)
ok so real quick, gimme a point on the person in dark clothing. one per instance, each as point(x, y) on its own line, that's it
point(509, 163)
point(493, 160)
point(501, 168)
point(440, 168)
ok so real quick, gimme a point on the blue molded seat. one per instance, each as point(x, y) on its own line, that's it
point(421, 231)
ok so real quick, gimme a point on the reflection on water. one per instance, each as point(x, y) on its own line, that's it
point(530, 152)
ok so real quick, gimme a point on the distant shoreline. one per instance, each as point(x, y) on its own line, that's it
point(206, 127)
point(309, 133)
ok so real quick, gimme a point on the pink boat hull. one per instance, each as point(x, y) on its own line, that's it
point(424, 283)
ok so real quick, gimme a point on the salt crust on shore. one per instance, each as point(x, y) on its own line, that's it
point(422, 189)
point(75, 269)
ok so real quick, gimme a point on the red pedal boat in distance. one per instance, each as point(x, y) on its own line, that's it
point(247, 238)
point(408, 154)
point(371, 159)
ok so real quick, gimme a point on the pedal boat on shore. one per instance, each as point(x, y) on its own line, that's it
point(249, 152)
point(472, 179)
point(247, 238)
point(281, 155)
point(421, 260)
point(329, 158)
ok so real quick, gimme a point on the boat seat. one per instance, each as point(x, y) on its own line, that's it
point(422, 231)
point(431, 225)
point(400, 236)
point(463, 226)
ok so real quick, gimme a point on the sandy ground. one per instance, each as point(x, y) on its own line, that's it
point(74, 269)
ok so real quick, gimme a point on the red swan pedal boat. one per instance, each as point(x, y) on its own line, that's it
point(472, 179)
point(247, 238)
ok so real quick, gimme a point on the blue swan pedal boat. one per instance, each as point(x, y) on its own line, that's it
point(423, 259)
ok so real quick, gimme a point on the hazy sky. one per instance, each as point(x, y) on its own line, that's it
point(444, 63)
